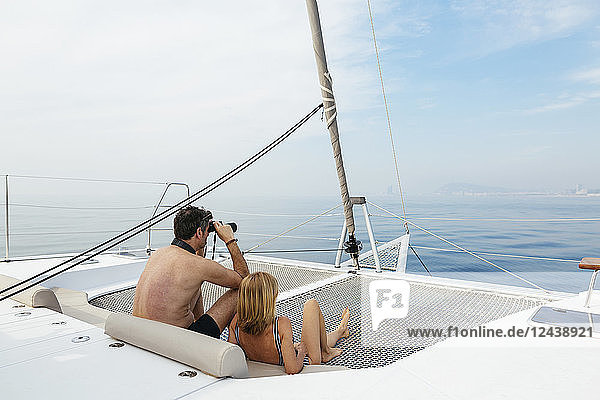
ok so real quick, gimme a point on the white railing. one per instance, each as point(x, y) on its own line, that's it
point(159, 205)
point(7, 203)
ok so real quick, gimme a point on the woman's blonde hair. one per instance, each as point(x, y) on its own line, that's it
point(256, 304)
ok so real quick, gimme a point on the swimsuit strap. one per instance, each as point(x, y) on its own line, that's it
point(277, 340)
point(236, 332)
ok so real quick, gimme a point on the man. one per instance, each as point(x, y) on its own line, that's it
point(169, 289)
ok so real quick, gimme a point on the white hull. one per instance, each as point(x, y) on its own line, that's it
point(42, 359)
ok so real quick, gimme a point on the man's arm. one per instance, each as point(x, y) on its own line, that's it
point(214, 272)
point(226, 235)
point(239, 263)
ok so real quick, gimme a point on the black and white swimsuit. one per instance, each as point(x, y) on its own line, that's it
point(275, 335)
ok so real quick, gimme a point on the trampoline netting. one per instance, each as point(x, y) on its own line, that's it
point(431, 306)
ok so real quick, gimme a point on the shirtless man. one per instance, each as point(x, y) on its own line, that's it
point(169, 289)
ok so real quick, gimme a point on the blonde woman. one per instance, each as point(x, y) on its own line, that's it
point(268, 338)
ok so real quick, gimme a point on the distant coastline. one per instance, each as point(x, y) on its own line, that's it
point(467, 189)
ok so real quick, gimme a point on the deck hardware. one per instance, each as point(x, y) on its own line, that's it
point(59, 323)
point(188, 374)
point(353, 246)
point(116, 345)
point(22, 314)
point(588, 298)
point(19, 306)
point(80, 339)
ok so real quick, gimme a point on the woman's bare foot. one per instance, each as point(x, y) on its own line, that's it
point(329, 355)
point(341, 331)
point(343, 327)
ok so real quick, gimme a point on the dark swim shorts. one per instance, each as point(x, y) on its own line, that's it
point(207, 326)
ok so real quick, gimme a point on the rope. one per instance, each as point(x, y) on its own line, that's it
point(330, 99)
point(164, 229)
point(75, 208)
point(62, 178)
point(275, 215)
point(499, 219)
point(94, 251)
point(387, 113)
point(293, 251)
point(60, 233)
point(290, 236)
point(501, 255)
point(421, 261)
point(291, 229)
point(460, 248)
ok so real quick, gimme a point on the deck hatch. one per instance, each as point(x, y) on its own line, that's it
point(566, 318)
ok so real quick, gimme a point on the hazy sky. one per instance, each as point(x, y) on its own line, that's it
point(503, 93)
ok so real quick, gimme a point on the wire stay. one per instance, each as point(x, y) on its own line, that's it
point(116, 240)
point(387, 114)
point(459, 247)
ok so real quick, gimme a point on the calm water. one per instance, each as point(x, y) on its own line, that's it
point(41, 230)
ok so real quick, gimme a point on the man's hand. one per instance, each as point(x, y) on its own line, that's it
point(224, 232)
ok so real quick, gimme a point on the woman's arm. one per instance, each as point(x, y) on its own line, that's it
point(231, 338)
point(292, 362)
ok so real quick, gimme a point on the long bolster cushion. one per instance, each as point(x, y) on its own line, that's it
point(212, 356)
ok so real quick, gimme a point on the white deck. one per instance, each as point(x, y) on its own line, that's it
point(34, 350)
point(484, 368)
point(40, 360)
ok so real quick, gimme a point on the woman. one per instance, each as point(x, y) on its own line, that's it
point(267, 338)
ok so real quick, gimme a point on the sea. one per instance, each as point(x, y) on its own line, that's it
point(540, 238)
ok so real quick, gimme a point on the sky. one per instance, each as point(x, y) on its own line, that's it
point(498, 93)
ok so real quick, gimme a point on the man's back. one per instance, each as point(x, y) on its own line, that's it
point(169, 287)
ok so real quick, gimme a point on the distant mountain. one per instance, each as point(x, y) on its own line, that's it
point(468, 188)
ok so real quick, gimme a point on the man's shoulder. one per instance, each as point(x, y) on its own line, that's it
point(173, 251)
point(172, 257)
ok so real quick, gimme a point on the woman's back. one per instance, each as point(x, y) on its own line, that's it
point(264, 347)
point(265, 337)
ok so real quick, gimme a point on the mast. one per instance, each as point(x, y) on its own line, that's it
point(352, 246)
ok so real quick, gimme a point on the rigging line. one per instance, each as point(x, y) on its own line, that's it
point(290, 236)
point(498, 219)
point(501, 255)
point(387, 113)
point(164, 214)
point(163, 230)
point(62, 178)
point(294, 251)
point(75, 208)
point(275, 215)
point(76, 260)
point(59, 233)
point(291, 229)
point(421, 261)
point(460, 248)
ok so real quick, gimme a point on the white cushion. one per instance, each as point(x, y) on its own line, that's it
point(212, 356)
point(36, 296)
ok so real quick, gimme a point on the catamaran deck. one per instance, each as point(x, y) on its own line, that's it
point(431, 305)
point(64, 348)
